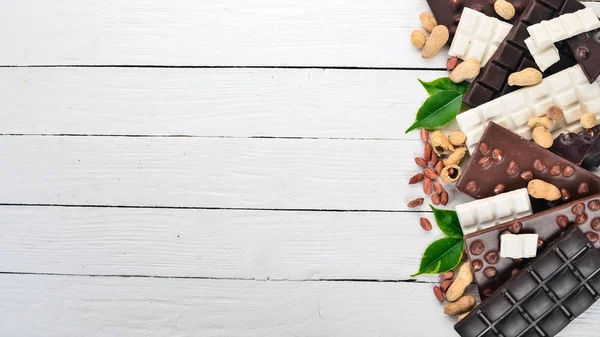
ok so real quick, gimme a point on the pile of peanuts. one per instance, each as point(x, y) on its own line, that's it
point(441, 156)
point(542, 125)
point(452, 290)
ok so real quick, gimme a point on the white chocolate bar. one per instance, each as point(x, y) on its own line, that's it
point(568, 89)
point(484, 213)
point(518, 246)
point(546, 33)
point(478, 36)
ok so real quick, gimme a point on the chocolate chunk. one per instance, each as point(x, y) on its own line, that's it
point(547, 224)
point(523, 159)
point(586, 48)
point(513, 55)
point(582, 149)
point(448, 12)
point(541, 299)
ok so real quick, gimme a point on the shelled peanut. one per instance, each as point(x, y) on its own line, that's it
point(452, 290)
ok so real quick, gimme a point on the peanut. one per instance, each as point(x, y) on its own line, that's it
point(415, 202)
point(425, 224)
point(416, 178)
point(418, 39)
point(438, 294)
point(428, 21)
point(540, 121)
point(540, 189)
point(447, 275)
point(427, 186)
point(444, 198)
point(436, 199)
point(427, 152)
point(505, 9)
point(542, 137)
point(430, 173)
point(451, 63)
point(438, 188)
point(456, 157)
point(441, 144)
point(457, 138)
point(421, 162)
point(461, 316)
point(466, 70)
point(524, 78)
point(438, 38)
point(424, 135)
point(445, 285)
point(439, 166)
point(449, 176)
point(588, 120)
point(462, 305)
point(434, 159)
point(555, 113)
point(460, 284)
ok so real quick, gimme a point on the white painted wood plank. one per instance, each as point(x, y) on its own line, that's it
point(57, 306)
point(366, 33)
point(210, 172)
point(213, 243)
point(211, 102)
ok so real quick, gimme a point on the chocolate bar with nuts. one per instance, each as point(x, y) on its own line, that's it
point(483, 248)
point(582, 149)
point(544, 297)
point(448, 12)
point(586, 48)
point(504, 162)
point(513, 55)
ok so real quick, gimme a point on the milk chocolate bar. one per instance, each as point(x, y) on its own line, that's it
point(582, 149)
point(484, 213)
point(586, 48)
point(505, 162)
point(568, 89)
point(448, 12)
point(513, 55)
point(483, 248)
point(543, 298)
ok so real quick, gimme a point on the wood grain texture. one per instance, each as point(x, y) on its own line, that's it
point(359, 33)
point(213, 243)
point(211, 172)
point(57, 306)
point(212, 102)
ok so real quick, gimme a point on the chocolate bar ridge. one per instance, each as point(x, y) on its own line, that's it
point(504, 162)
point(513, 55)
point(491, 270)
point(543, 298)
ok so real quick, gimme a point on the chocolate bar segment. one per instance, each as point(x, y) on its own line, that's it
point(512, 55)
point(491, 270)
point(586, 48)
point(544, 297)
point(504, 162)
point(582, 149)
point(448, 12)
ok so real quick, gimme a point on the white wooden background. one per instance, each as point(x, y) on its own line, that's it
point(213, 168)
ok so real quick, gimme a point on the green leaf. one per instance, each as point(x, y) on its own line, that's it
point(438, 110)
point(444, 83)
point(441, 256)
point(448, 222)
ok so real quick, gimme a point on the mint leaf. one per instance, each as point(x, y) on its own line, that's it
point(438, 110)
point(444, 83)
point(448, 222)
point(441, 256)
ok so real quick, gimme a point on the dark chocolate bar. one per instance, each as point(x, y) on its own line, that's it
point(504, 161)
point(491, 270)
point(586, 48)
point(582, 149)
point(544, 297)
point(513, 55)
point(448, 12)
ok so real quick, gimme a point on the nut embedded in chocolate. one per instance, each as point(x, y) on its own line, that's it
point(540, 243)
point(578, 209)
point(476, 265)
point(527, 175)
point(499, 189)
point(596, 224)
point(472, 186)
point(583, 189)
point(593, 237)
point(565, 194)
point(581, 219)
point(515, 228)
point(485, 161)
point(568, 172)
point(512, 169)
point(490, 272)
point(492, 257)
point(582, 53)
point(555, 170)
point(484, 148)
point(594, 205)
point(497, 155)
point(477, 248)
point(539, 166)
point(562, 221)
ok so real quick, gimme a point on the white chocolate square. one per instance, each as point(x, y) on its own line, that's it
point(546, 33)
point(518, 246)
point(544, 57)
